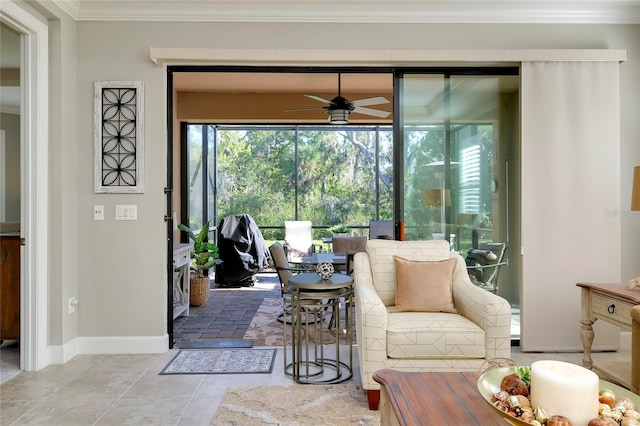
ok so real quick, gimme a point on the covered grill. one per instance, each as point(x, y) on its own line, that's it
point(242, 250)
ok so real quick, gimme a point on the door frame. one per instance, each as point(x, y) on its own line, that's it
point(34, 152)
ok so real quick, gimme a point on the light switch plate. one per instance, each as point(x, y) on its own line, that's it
point(126, 212)
point(98, 212)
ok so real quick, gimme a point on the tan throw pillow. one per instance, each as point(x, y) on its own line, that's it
point(424, 286)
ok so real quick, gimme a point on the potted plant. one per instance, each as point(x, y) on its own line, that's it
point(204, 256)
point(339, 230)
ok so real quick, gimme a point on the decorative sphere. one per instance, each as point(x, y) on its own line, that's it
point(325, 270)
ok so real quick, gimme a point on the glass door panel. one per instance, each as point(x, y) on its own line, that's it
point(194, 181)
point(210, 186)
point(451, 164)
point(422, 126)
point(456, 131)
point(480, 108)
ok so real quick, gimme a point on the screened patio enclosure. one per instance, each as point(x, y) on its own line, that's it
point(450, 175)
point(441, 166)
point(328, 175)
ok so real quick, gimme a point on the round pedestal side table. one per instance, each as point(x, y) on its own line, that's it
point(312, 362)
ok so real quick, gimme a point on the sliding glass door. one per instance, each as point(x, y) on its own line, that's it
point(454, 133)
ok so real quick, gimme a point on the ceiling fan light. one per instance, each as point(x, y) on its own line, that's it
point(339, 116)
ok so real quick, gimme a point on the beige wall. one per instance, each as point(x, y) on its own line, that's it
point(120, 267)
point(68, 239)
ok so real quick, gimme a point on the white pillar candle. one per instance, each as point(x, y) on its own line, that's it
point(565, 389)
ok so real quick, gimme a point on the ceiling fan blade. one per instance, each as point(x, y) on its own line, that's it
point(378, 100)
point(373, 112)
point(303, 109)
point(318, 98)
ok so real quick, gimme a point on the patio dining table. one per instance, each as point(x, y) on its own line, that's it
point(336, 259)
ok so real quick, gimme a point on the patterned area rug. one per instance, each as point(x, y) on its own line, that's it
point(295, 405)
point(266, 330)
point(221, 361)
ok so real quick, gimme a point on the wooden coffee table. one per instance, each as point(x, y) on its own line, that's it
point(408, 398)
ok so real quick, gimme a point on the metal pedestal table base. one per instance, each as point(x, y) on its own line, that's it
point(311, 295)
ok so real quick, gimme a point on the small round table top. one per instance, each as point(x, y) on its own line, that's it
point(313, 281)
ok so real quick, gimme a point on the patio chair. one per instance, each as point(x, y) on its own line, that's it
point(281, 265)
point(298, 239)
point(484, 263)
point(349, 246)
point(284, 271)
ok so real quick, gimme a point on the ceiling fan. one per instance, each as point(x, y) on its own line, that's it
point(339, 108)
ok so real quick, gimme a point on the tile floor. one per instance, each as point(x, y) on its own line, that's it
point(127, 389)
point(120, 390)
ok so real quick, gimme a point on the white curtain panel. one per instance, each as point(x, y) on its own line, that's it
point(570, 197)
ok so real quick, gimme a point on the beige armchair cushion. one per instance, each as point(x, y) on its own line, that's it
point(424, 286)
point(383, 271)
point(433, 335)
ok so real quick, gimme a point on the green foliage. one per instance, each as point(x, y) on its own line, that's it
point(339, 229)
point(204, 255)
point(336, 175)
point(525, 374)
point(335, 178)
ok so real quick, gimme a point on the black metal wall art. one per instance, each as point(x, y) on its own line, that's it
point(119, 141)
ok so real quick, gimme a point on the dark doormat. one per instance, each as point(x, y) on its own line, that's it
point(208, 344)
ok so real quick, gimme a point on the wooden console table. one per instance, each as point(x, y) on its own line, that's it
point(181, 279)
point(410, 398)
point(611, 303)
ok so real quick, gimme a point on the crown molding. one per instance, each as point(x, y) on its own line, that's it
point(71, 7)
point(375, 57)
point(359, 11)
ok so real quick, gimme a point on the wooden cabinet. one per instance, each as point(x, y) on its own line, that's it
point(9, 287)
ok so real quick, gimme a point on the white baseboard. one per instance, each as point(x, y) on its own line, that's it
point(108, 345)
point(64, 353)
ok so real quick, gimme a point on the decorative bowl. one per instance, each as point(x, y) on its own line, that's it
point(489, 384)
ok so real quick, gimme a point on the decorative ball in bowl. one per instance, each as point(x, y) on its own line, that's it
point(492, 381)
point(325, 270)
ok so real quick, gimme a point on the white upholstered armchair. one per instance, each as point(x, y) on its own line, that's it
point(423, 341)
